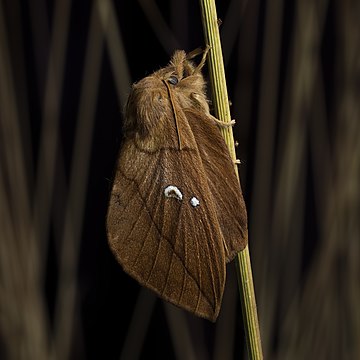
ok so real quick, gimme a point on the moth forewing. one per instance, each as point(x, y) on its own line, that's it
point(176, 213)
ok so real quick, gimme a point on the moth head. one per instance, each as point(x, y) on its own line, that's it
point(178, 85)
point(185, 80)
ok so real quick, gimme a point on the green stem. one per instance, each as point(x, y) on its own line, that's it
point(222, 112)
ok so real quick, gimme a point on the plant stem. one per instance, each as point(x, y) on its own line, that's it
point(222, 112)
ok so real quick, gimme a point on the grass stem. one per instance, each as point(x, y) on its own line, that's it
point(222, 112)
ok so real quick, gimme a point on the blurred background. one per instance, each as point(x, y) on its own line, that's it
point(293, 73)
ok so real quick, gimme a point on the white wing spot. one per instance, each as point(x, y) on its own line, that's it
point(194, 201)
point(173, 191)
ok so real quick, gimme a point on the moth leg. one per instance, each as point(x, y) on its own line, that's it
point(223, 124)
point(237, 162)
point(194, 53)
point(203, 59)
point(197, 52)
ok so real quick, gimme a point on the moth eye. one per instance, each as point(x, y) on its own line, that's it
point(194, 201)
point(173, 80)
point(173, 191)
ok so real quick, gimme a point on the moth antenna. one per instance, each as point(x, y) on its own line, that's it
point(174, 112)
point(177, 61)
point(197, 52)
point(203, 59)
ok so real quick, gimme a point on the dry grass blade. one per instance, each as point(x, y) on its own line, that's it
point(180, 21)
point(226, 323)
point(264, 172)
point(70, 243)
point(231, 26)
point(290, 191)
point(20, 282)
point(112, 34)
point(162, 31)
point(49, 140)
point(139, 324)
point(180, 334)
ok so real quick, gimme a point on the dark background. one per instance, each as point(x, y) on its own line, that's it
point(293, 77)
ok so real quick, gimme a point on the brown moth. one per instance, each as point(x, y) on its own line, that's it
point(176, 214)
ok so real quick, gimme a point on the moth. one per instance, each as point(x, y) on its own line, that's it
point(176, 213)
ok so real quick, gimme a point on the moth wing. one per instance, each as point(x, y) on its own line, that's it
point(222, 180)
point(172, 245)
